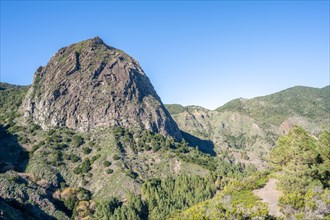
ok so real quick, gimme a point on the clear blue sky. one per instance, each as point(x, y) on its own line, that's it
point(202, 53)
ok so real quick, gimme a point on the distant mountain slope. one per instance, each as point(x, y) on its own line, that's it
point(250, 127)
point(4, 86)
point(312, 103)
point(11, 97)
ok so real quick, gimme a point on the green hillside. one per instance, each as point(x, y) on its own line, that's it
point(246, 129)
point(312, 103)
point(120, 173)
point(300, 165)
point(72, 174)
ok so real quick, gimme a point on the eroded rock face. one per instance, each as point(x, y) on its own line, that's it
point(90, 85)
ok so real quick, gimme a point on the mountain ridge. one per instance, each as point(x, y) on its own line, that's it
point(260, 96)
point(250, 127)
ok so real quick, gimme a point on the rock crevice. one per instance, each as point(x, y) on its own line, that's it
point(89, 85)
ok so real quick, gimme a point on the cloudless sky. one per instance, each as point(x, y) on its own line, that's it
point(200, 52)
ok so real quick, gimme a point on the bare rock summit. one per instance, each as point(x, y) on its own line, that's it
point(90, 85)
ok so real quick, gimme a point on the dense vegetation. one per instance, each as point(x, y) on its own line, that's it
point(11, 97)
point(161, 197)
point(275, 108)
point(61, 158)
point(235, 200)
point(301, 163)
point(143, 175)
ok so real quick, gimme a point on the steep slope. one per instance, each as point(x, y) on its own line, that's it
point(10, 100)
point(95, 129)
point(89, 85)
point(250, 128)
point(297, 186)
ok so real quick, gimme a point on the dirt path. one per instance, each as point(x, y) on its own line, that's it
point(270, 195)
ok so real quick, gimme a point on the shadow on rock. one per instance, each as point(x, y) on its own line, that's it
point(11, 209)
point(206, 146)
point(12, 155)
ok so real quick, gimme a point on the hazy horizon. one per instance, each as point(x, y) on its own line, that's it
point(194, 53)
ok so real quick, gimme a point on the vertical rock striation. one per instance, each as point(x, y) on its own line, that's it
point(89, 85)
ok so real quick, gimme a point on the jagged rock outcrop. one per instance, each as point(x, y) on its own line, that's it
point(22, 198)
point(89, 85)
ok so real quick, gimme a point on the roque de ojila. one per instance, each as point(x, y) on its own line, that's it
point(89, 85)
point(91, 139)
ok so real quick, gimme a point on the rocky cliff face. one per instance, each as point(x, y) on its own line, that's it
point(89, 85)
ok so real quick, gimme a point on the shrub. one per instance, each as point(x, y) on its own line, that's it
point(83, 194)
point(71, 202)
point(294, 199)
point(95, 157)
point(14, 178)
point(156, 148)
point(62, 146)
point(87, 150)
point(131, 174)
point(77, 170)
point(74, 158)
point(109, 171)
point(106, 163)
point(86, 166)
point(77, 140)
point(116, 157)
point(34, 148)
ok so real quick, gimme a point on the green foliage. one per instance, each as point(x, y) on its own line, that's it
point(300, 160)
point(109, 171)
point(86, 166)
point(106, 163)
point(116, 157)
point(238, 142)
point(175, 108)
point(133, 209)
point(77, 170)
point(95, 157)
point(55, 158)
point(72, 198)
point(131, 174)
point(294, 199)
point(77, 140)
point(14, 178)
point(232, 203)
point(74, 158)
point(34, 148)
point(275, 108)
point(83, 194)
point(166, 196)
point(71, 202)
point(11, 98)
point(87, 150)
point(244, 198)
point(297, 147)
point(302, 165)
